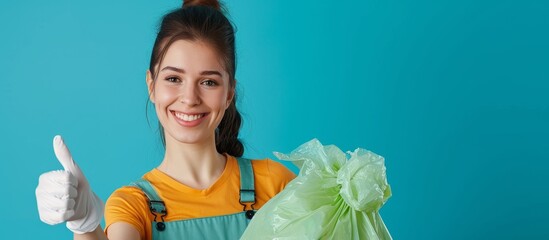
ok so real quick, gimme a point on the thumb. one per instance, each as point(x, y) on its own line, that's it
point(64, 156)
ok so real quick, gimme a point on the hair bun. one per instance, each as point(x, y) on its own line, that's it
point(210, 3)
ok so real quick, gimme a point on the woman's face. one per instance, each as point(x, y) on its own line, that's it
point(191, 92)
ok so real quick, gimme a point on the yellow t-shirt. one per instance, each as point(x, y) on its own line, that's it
point(129, 204)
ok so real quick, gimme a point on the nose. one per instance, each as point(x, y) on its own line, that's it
point(190, 95)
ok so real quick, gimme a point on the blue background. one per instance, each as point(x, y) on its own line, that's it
point(452, 93)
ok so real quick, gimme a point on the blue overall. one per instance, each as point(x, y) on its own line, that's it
point(229, 226)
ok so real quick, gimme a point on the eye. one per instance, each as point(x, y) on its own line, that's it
point(209, 83)
point(173, 79)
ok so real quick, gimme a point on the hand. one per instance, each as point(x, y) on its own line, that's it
point(66, 196)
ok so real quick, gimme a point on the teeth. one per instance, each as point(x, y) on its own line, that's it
point(188, 118)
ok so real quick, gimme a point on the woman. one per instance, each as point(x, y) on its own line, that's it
point(202, 188)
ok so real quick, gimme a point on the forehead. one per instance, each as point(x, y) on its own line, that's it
point(192, 56)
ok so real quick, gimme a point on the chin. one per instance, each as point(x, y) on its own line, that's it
point(188, 138)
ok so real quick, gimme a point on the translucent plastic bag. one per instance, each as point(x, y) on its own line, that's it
point(332, 197)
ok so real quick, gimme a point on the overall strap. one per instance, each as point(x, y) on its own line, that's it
point(156, 205)
point(247, 189)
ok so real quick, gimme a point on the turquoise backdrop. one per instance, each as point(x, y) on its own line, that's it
point(454, 94)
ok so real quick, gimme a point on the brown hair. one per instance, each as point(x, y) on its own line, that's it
point(203, 20)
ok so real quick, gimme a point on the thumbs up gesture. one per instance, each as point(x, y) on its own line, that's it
point(66, 196)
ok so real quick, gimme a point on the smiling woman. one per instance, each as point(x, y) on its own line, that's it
point(202, 189)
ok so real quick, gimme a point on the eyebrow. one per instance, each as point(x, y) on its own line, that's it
point(179, 70)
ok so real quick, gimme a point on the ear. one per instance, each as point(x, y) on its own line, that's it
point(150, 86)
point(230, 95)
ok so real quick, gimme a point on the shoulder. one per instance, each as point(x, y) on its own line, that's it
point(270, 166)
point(126, 200)
point(273, 172)
point(127, 194)
point(130, 194)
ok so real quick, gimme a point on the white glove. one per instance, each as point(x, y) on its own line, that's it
point(65, 195)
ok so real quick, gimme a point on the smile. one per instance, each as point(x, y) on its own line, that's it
point(187, 117)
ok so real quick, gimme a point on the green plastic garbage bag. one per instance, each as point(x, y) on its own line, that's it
point(333, 197)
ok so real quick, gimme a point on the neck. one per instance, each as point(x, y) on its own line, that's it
point(197, 165)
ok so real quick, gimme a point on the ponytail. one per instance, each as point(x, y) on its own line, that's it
point(226, 139)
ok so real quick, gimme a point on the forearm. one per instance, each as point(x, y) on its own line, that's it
point(97, 234)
